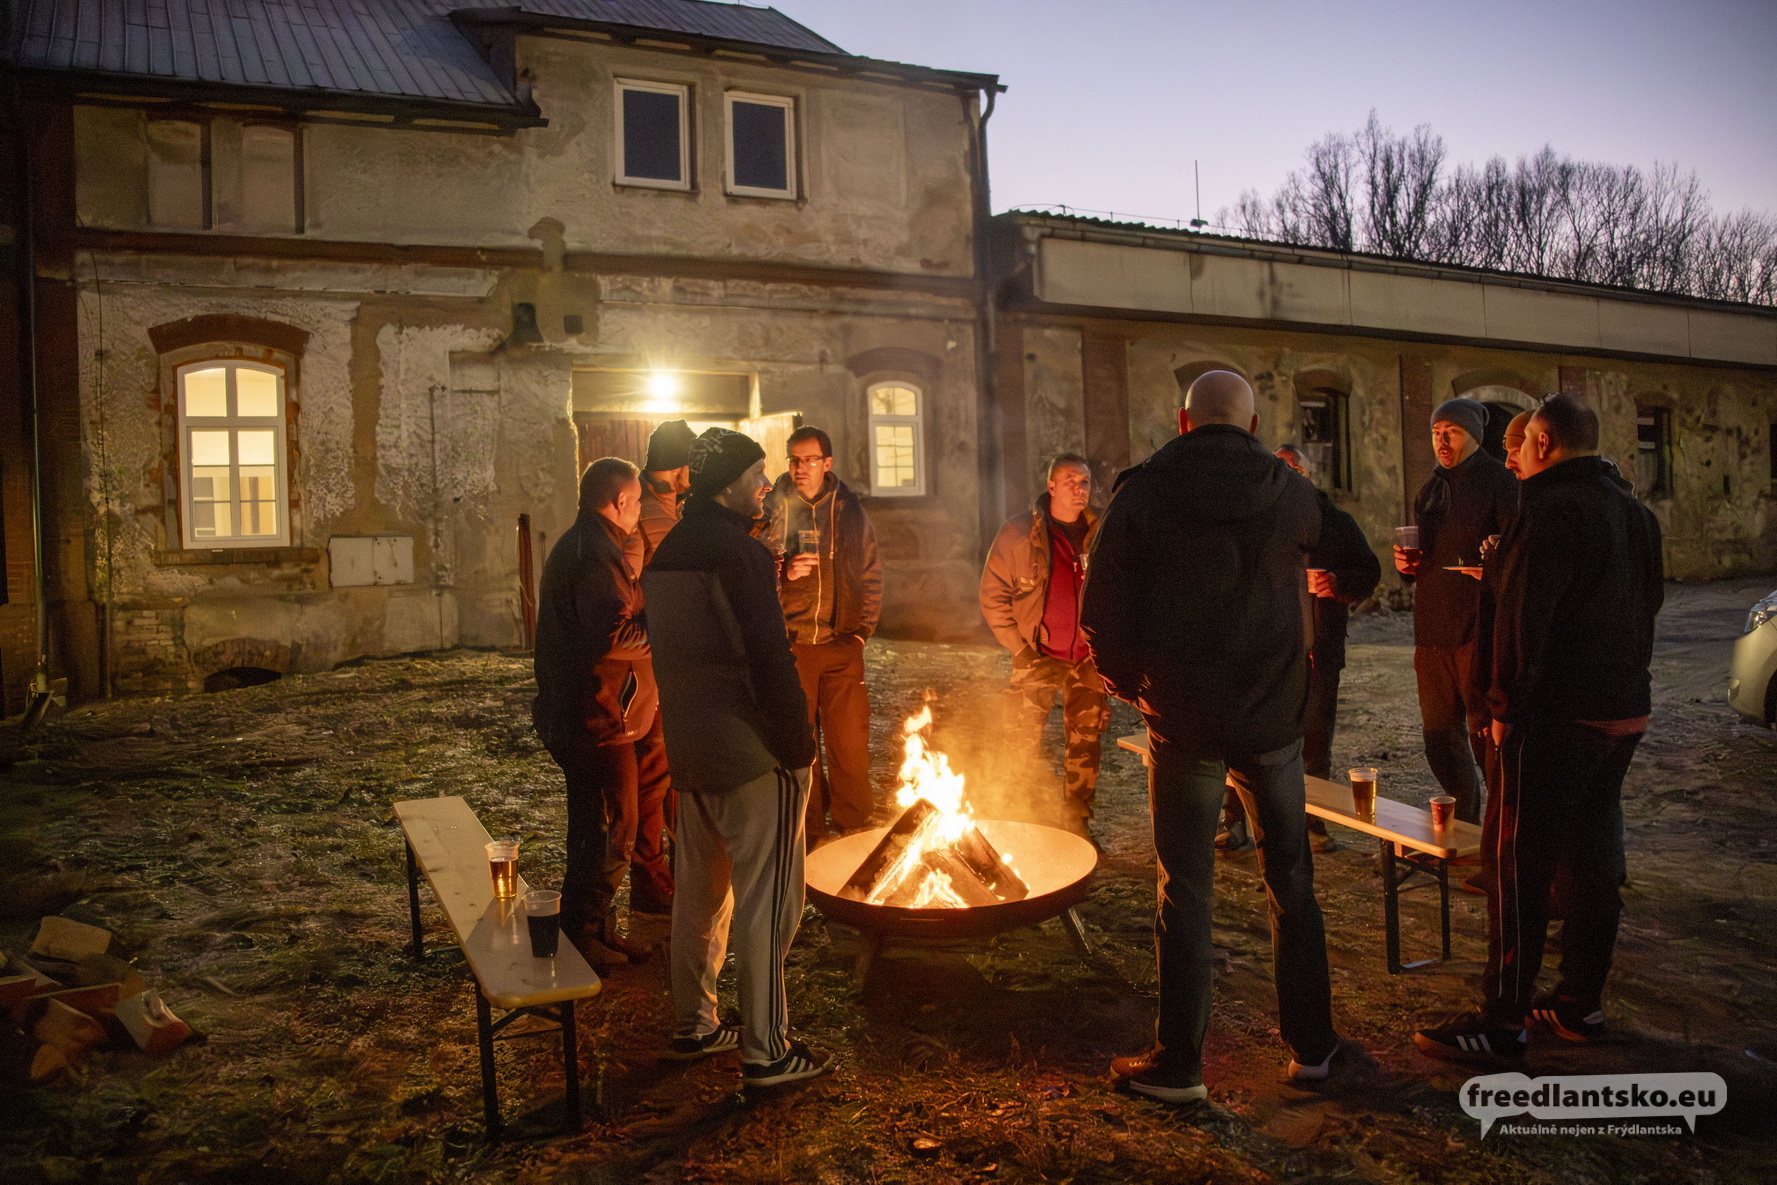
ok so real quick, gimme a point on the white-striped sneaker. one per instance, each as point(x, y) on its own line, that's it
point(721, 1039)
point(1474, 1039)
point(794, 1066)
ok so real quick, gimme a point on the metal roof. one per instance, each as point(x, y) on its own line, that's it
point(386, 49)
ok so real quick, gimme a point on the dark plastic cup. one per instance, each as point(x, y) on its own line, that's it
point(542, 912)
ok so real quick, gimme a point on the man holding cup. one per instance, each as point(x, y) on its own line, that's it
point(1467, 498)
point(738, 737)
point(831, 591)
point(1196, 612)
point(1580, 582)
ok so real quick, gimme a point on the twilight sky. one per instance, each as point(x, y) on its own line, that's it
point(1110, 100)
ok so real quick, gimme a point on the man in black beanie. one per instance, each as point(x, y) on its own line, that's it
point(740, 747)
point(1470, 496)
point(666, 476)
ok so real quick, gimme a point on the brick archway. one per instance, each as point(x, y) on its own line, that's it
point(241, 652)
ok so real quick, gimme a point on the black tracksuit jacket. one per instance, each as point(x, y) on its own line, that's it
point(730, 699)
point(1580, 582)
point(1195, 605)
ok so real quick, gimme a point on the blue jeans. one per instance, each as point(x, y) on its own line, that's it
point(1185, 794)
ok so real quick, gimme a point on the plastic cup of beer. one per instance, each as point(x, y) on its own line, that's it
point(808, 542)
point(1363, 792)
point(542, 912)
point(1406, 538)
point(1443, 811)
point(502, 865)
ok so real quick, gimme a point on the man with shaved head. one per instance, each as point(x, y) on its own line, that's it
point(1195, 608)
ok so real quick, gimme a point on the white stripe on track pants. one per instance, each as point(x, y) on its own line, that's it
point(737, 871)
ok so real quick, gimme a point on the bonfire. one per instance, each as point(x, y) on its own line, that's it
point(934, 856)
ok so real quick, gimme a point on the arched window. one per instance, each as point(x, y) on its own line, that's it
point(897, 439)
point(233, 463)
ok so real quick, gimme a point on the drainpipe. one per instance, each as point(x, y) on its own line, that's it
point(988, 423)
point(40, 690)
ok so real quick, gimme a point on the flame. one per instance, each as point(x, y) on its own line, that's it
point(926, 774)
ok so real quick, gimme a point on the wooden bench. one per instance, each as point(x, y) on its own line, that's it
point(447, 843)
point(1407, 838)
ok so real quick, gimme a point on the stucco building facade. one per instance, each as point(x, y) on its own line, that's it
point(318, 373)
point(1100, 328)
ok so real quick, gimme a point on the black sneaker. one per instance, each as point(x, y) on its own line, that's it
point(1473, 1039)
point(1234, 838)
point(721, 1039)
point(795, 1066)
point(1148, 1074)
point(1566, 1021)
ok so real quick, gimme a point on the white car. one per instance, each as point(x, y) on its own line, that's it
point(1752, 675)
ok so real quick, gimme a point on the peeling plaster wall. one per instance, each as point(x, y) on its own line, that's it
point(1721, 419)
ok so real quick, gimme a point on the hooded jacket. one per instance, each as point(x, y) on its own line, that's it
point(1346, 554)
point(1456, 509)
point(1195, 603)
point(1580, 581)
point(843, 596)
point(730, 698)
point(595, 680)
point(1014, 588)
point(660, 514)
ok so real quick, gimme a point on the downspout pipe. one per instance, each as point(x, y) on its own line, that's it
point(990, 456)
point(38, 706)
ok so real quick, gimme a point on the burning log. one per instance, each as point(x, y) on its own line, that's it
point(913, 866)
point(891, 850)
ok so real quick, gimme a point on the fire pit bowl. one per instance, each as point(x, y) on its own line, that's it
point(1056, 864)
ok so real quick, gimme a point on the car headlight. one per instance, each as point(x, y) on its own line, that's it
point(1762, 612)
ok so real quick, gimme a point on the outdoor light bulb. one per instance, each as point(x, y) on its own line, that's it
point(662, 385)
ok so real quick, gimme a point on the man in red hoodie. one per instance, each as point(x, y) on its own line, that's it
point(1030, 596)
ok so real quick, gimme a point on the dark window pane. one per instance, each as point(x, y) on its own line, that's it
point(761, 146)
point(651, 136)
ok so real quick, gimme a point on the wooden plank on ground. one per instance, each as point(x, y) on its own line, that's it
point(449, 844)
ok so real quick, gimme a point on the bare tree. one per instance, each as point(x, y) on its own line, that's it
point(1545, 215)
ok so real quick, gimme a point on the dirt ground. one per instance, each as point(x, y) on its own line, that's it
point(242, 846)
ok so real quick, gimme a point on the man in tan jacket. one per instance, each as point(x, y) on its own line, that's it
point(1030, 596)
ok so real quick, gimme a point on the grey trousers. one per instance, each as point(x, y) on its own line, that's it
point(737, 867)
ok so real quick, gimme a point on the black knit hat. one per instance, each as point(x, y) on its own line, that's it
point(670, 446)
point(720, 456)
point(1468, 414)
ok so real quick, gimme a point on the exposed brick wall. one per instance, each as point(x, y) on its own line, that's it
point(150, 651)
point(241, 652)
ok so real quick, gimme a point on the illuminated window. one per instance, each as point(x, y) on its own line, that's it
point(897, 440)
point(232, 456)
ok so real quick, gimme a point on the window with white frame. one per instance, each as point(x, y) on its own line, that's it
point(231, 455)
point(761, 145)
point(897, 440)
point(653, 134)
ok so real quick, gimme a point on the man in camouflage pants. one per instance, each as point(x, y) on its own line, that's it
point(1030, 596)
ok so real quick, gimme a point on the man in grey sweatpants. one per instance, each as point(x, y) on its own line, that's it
point(740, 746)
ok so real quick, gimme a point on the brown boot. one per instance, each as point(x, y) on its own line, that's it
point(606, 933)
point(596, 953)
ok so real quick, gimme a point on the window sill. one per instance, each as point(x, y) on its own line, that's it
point(237, 555)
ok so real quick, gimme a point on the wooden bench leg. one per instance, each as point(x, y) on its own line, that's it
point(570, 1055)
point(418, 949)
point(490, 1092)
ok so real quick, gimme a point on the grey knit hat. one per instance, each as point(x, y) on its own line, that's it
point(670, 446)
point(1467, 414)
point(720, 456)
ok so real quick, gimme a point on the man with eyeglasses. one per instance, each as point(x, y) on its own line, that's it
point(830, 587)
